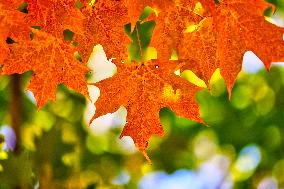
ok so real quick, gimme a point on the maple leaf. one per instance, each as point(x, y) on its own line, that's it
point(55, 16)
point(145, 88)
point(222, 40)
point(104, 24)
point(12, 25)
point(52, 61)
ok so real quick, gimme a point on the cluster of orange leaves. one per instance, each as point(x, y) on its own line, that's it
point(215, 36)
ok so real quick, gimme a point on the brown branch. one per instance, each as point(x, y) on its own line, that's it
point(16, 108)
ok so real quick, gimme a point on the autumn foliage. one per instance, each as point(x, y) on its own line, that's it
point(205, 35)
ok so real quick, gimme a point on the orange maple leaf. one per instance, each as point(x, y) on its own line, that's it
point(104, 24)
point(240, 28)
point(145, 88)
point(52, 61)
point(55, 16)
point(220, 38)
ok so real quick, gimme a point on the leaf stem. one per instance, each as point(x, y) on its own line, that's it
point(139, 43)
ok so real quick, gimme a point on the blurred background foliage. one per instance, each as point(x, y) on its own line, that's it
point(242, 147)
